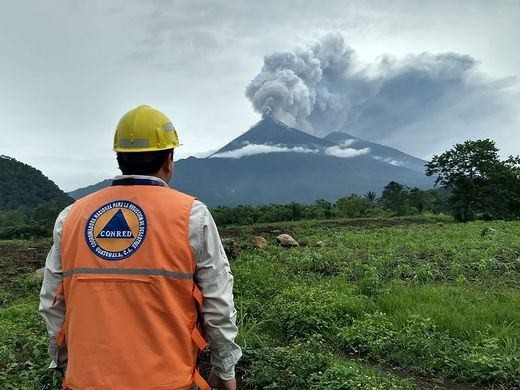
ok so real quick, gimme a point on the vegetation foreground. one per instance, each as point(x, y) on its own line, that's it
point(371, 304)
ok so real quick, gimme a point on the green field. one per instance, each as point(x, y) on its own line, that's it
point(399, 303)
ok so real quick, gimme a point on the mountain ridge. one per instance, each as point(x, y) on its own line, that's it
point(22, 185)
point(275, 163)
point(270, 131)
point(392, 155)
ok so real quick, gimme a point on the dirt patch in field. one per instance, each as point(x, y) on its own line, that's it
point(429, 383)
point(420, 382)
point(28, 256)
point(275, 230)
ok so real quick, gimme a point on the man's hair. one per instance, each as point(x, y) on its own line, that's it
point(142, 163)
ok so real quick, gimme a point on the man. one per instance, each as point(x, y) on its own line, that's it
point(134, 269)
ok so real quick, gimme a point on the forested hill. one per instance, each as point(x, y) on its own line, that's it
point(24, 186)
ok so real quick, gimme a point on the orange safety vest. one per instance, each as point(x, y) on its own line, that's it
point(132, 318)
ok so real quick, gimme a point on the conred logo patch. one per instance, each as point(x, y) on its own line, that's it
point(116, 230)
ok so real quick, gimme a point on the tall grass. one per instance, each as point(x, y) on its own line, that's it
point(435, 300)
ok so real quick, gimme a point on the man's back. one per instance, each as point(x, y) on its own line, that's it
point(128, 275)
point(134, 269)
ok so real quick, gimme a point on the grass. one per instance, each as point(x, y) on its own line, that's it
point(466, 312)
point(437, 301)
point(23, 338)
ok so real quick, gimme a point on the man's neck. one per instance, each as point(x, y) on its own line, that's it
point(162, 177)
point(153, 177)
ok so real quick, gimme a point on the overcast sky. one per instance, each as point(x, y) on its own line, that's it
point(70, 69)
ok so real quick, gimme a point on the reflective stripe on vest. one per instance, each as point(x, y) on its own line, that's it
point(131, 319)
point(126, 271)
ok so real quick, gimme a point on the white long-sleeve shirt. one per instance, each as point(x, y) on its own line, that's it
point(212, 276)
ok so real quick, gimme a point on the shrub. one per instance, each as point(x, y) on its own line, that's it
point(23, 350)
point(310, 365)
point(302, 311)
point(347, 376)
point(422, 347)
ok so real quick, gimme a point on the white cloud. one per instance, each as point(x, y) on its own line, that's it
point(390, 161)
point(252, 149)
point(202, 154)
point(338, 151)
point(346, 143)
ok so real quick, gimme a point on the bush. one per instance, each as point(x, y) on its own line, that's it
point(310, 365)
point(287, 367)
point(23, 350)
point(422, 347)
point(311, 261)
point(303, 311)
point(342, 376)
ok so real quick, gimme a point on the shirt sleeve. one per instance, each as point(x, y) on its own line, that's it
point(54, 314)
point(214, 278)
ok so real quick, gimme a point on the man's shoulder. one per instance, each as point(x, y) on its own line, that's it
point(63, 214)
point(200, 204)
point(199, 209)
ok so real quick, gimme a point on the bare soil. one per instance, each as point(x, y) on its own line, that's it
point(233, 231)
point(30, 255)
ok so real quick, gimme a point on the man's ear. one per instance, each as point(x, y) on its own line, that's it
point(168, 163)
point(170, 166)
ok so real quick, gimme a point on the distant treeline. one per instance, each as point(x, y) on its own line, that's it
point(25, 222)
point(395, 200)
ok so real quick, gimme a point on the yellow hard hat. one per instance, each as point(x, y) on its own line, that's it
point(145, 129)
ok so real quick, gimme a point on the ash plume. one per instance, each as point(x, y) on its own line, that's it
point(326, 87)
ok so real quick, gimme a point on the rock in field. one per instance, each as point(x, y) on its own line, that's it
point(286, 240)
point(259, 242)
point(40, 272)
point(320, 244)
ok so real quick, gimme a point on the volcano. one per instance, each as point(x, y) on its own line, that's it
point(275, 163)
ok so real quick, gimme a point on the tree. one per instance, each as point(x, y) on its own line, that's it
point(324, 208)
point(353, 206)
point(480, 184)
point(371, 196)
point(419, 200)
point(296, 211)
point(440, 198)
point(394, 197)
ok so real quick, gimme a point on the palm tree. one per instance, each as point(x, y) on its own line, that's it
point(371, 196)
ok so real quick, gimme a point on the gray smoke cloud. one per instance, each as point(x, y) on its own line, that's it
point(326, 87)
